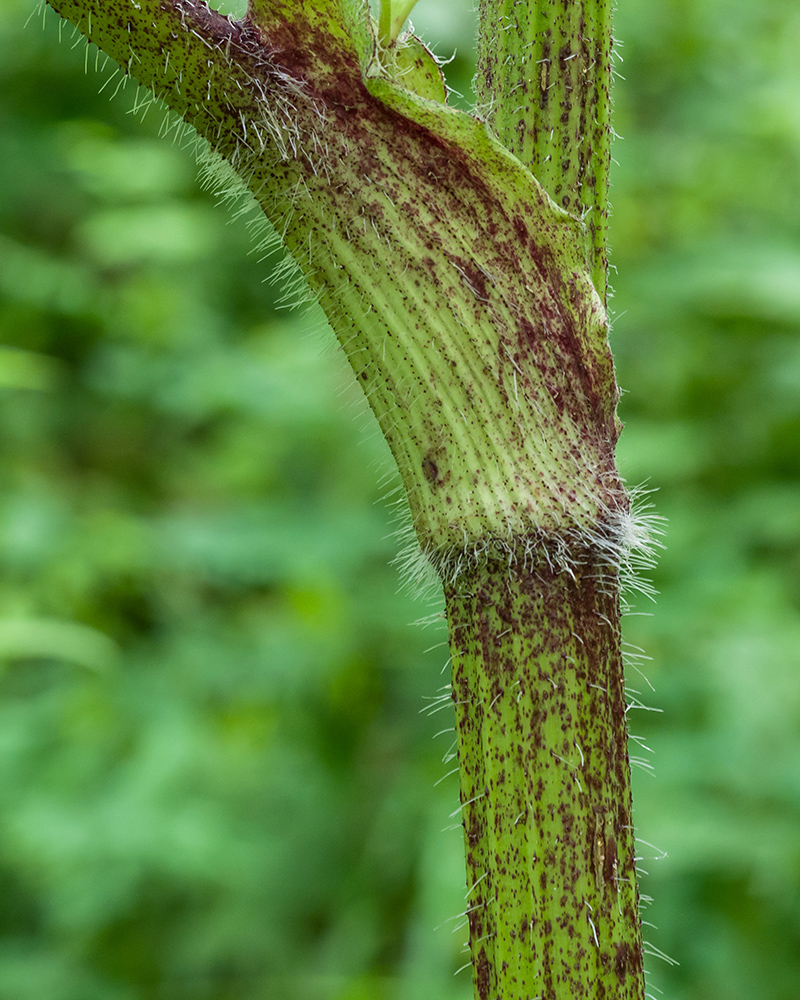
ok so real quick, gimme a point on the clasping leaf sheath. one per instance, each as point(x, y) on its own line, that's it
point(466, 301)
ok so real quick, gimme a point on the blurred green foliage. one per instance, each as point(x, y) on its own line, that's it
point(215, 780)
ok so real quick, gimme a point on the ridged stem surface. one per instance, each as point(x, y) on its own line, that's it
point(544, 78)
point(462, 296)
point(545, 783)
point(459, 292)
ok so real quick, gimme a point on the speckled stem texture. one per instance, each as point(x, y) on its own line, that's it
point(545, 783)
point(544, 77)
point(463, 298)
point(460, 292)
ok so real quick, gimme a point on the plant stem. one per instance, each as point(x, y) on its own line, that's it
point(392, 17)
point(545, 782)
point(458, 290)
point(462, 297)
point(544, 76)
point(538, 679)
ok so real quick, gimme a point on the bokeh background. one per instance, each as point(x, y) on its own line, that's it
point(215, 778)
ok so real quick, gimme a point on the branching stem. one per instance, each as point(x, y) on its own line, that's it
point(463, 297)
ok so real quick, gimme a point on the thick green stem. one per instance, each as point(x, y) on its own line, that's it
point(459, 291)
point(545, 782)
point(462, 297)
point(544, 77)
point(535, 627)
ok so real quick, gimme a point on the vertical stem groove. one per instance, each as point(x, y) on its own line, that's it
point(545, 784)
point(544, 76)
point(461, 295)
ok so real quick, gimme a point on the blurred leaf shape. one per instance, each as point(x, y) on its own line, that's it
point(116, 167)
point(32, 275)
point(50, 638)
point(27, 370)
point(173, 233)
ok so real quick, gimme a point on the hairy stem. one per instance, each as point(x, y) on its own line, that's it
point(462, 297)
point(535, 629)
point(458, 290)
point(545, 782)
point(544, 76)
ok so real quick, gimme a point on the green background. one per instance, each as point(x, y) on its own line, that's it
point(215, 778)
